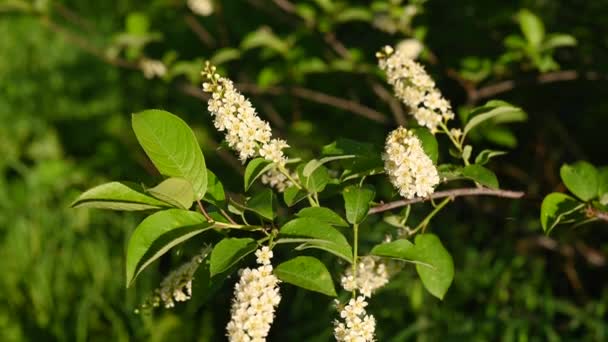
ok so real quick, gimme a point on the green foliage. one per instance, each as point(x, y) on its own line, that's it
point(228, 252)
point(172, 147)
point(308, 273)
point(71, 71)
point(155, 235)
point(357, 202)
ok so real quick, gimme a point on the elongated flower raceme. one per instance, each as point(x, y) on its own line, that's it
point(256, 296)
point(409, 169)
point(246, 133)
point(372, 274)
point(415, 88)
point(177, 286)
point(354, 323)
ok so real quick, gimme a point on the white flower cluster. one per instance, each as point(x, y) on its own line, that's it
point(177, 286)
point(276, 179)
point(409, 169)
point(152, 68)
point(415, 88)
point(372, 274)
point(357, 326)
point(246, 133)
point(255, 297)
point(201, 7)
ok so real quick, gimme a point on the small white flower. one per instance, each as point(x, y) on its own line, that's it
point(410, 48)
point(409, 169)
point(152, 68)
point(201, 7)
point(263, 255)
point(256, 296)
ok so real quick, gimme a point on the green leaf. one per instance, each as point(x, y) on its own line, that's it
point(324, 215)
point(532, 27)
point(437, 277)
point(312, 165)
point(428, 141)
point(399, 249)
point(158, 233)
point(496, 111)
point(433, 262)
point(554, 209)
point(316, 234)
point(308, 273)
point(481, 175)
point(602, 176)
point(581, 178)
point(215, 191)
point(317, 180)
point(176, 191)
point(293, 195)
point(264, 37)
point(558, 40)
point(262, 203)
point(356, 202)
point(354, 14)
point(228, 252)
point(225, 55)
point(255, 168)
point(172, 147)
point(117, 196)
point(484, 156)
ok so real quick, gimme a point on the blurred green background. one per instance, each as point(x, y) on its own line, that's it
point(71, 75)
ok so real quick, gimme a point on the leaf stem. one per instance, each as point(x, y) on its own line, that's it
point(355, 252)
point(200, 206)
point(428, 218)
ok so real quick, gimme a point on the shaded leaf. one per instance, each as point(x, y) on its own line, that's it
point(228, 252)
point(323, 214)
point(316, 234)
point(117, 196)
point(255, 168)
point(158, 233)
point(215, 191)
point(357, 201)
point(262, 203)
point(484, 156)
point(428, 141)
point(555, 209)
point(176, 191)
point(480, 175)
point(293, 195)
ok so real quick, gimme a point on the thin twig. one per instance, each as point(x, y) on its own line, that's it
point(318, 97)
point(200, 31)
point(448, 193)
point(550, 77)
point(598, 214)
point(200, 206)
point(390, 99)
